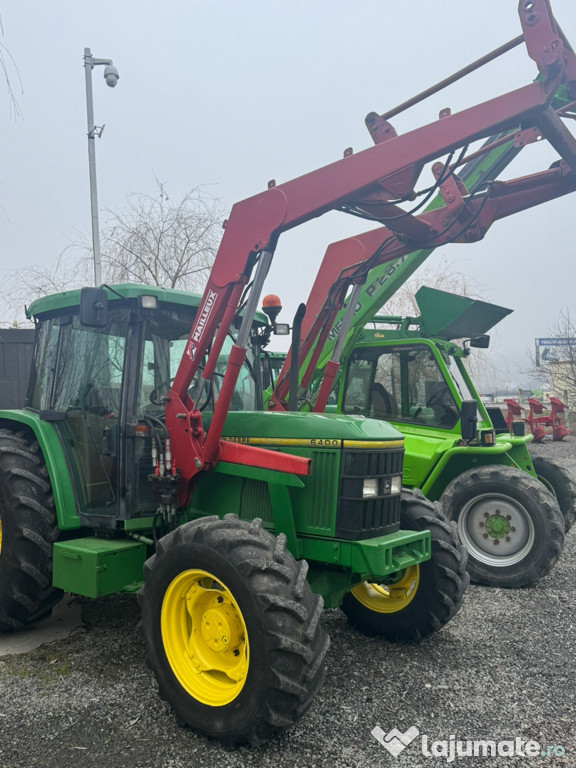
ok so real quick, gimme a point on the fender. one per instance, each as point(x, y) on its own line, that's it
point(443, 473)
point(56, 463)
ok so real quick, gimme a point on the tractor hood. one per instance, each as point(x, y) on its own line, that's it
point(306, 426)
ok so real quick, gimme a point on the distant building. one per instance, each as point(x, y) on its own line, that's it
point(563, 382)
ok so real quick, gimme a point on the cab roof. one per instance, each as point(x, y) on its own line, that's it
point(70, 300)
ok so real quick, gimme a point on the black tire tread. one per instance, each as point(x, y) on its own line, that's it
point(446, 572)
point(564, 487)
point(532, 568)
point(29, 530)
point(289, 615)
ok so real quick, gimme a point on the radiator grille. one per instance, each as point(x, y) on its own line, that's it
point(366, 518)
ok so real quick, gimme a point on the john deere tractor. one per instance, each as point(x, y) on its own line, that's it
point(231, 579)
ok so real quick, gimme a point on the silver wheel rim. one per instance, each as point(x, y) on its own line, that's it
point(496, 530)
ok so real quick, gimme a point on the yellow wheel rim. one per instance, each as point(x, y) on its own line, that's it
point(389, 598)
point(205, 638)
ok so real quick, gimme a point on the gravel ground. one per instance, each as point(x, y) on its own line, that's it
point(502, 669)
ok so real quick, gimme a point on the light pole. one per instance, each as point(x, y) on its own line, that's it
point(111, 76)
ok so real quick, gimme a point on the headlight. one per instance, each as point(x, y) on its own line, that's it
point(370, 487)
point(389, 485)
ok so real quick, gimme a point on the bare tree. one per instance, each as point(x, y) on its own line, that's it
point(7, 66)
point(160, 242)
point(443, 277)
point(22, 286)
point(154, 241)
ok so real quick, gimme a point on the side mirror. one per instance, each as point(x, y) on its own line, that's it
point(94, 307)
point(480, 342)
point(468, 420)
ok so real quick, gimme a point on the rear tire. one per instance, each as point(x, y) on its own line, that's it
point(28, 530)
point(423, 598)
point(509, 522)
point(232, 630)
point(560, 484)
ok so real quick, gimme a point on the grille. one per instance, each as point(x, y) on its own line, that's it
point(360, 518)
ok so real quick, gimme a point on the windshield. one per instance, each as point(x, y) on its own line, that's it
point(166, 336)
point(402, 384)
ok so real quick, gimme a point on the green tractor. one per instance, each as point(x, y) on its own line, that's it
point(234, 579)
point(411, 372)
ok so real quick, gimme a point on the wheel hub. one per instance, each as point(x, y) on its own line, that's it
point(221, 628)
point(390, 597)
point(497, 526)
point(496, 529)
point(205, 637)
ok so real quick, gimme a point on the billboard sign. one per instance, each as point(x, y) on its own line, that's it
point(554, 349)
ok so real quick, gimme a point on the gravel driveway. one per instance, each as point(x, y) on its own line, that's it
point(503, 670)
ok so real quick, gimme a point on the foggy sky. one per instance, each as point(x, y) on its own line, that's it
point(232, 94)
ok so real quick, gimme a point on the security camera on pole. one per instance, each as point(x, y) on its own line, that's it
point(111, 76)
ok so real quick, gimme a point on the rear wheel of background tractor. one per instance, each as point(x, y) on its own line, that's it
point(28, 530)
point(232, 630)
point(422, 598)
point(509, 522)
point(560, 484)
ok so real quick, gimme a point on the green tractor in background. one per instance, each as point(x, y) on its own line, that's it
point(411, 372)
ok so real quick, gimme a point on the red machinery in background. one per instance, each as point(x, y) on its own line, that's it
point(543, 421)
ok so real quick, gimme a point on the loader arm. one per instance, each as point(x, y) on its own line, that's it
point(391, 263)
point(370, 178)
point(351, 261)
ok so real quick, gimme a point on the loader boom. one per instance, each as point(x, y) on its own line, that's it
point(365, 182)
point(380, 261)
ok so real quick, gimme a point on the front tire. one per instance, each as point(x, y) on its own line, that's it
point(421, 599)
point(28, 530)
point(560, 484)
point(509, 522)
point(232, 630)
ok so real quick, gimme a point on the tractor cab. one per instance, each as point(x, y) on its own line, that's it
point(412, 372)
point(102, 381)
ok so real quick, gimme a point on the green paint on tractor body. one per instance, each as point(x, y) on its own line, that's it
point(95, 405)
point(411, 373)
